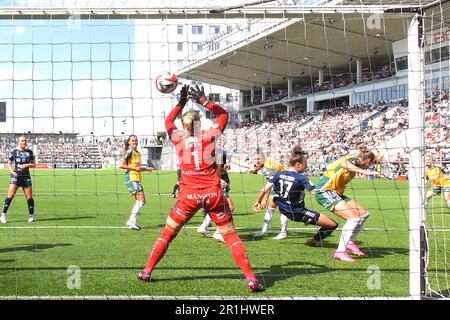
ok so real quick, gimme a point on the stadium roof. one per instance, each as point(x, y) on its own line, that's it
point(141, 3)
point(301, 47)
point(384, 2)
point(307, 36)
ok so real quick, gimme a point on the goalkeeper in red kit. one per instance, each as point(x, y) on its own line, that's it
point(199, 183)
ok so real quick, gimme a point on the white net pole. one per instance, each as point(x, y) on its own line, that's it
point(417, 146)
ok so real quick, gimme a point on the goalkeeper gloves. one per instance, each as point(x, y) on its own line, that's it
point(183, 96)
point(198, 94)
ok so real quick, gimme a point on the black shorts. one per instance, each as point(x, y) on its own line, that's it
point(21, 181)
point(306, 216)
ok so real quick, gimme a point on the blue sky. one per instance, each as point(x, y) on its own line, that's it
point(77, 75)
point(55, 69)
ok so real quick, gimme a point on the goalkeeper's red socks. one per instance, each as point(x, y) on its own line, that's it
point(239, 254)
point(159, 249)
point(232, 240)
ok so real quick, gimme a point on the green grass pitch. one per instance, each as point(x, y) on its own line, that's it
point(80, 222)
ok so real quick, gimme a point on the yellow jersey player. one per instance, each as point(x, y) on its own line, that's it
point(330, 195)
point(439, 181)
point(268, 167)
point(131, 162)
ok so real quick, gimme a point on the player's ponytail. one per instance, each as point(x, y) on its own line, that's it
point(188, 120)
point(298, 155)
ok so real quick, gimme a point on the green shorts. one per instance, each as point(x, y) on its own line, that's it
point(133, 186)
point(438, 190)
point(328, 199)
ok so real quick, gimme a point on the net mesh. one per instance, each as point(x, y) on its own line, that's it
point(78, 85)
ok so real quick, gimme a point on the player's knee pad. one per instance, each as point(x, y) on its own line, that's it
point(231, 238)
point(225, 226)
point(168, 233)
point(170, 228)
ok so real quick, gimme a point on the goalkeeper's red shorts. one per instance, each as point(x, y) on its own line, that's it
point(210, 199)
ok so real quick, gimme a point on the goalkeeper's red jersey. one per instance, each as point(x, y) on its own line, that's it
point(196, 154)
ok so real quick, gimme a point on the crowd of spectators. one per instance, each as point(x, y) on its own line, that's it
point(62, 152)
point(437, 126)
point(326, 135)
point(70, 151)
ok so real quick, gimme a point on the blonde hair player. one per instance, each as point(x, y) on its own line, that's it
point(330, 195)
point(440, 183)
point(199, 183)
point(132, 164)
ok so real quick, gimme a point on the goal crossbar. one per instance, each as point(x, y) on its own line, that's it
point(194, 13)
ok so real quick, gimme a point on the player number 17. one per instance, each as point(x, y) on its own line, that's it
point(286, 187)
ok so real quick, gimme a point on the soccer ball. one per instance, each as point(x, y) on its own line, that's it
point(166, 82)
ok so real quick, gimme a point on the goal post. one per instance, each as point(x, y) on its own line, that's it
point(416, 144)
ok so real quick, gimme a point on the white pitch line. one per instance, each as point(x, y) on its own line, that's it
point(105, 193)
point(65, 192)
point(65, 227)
point(195, 298)
point(186, 227)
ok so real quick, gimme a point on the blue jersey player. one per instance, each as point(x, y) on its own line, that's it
point(289, 187)
point(19, 164)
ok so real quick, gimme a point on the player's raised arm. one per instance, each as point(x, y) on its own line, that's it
point(240, 163)
point(170, 120)
point(198, 94)
point(348, 165)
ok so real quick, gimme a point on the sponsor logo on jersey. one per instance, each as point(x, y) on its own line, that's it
point(201, 196)
point(198, 173)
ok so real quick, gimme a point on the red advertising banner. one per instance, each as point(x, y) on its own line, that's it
point(43, 166)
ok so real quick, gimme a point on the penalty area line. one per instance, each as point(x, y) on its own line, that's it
point(186, 227)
